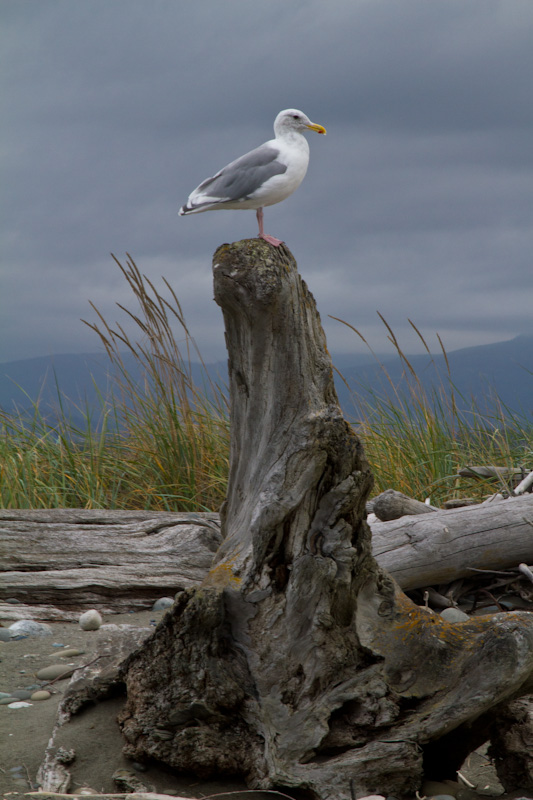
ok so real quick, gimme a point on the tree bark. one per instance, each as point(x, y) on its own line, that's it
point(444, 545)
point(59, 561)
point(512, 744)
point(299, 663)
point(391, 504)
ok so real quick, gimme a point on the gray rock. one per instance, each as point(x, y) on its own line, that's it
point(5, 701)
point(70, 653)
point(28, 627)
point(21, 694)
point(163, 603)
point(5, 635)
point(454, 615)
point(55, 671)
point(486, 610)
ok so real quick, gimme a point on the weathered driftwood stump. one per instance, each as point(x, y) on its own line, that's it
point(58, 562)
point(299, 663)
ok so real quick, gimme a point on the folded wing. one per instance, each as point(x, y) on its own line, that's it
point(237, 182)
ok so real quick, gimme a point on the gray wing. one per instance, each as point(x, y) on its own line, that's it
point(243, 177)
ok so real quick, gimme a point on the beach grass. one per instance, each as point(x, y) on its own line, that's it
point(159, 439)
point(417, 438)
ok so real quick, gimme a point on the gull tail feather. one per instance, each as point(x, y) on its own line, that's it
point(196, 208)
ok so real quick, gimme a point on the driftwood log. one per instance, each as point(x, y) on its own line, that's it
point(58, 562)
point(299, 663)
point(440, 546)
point(391, 504)
point(67, 560)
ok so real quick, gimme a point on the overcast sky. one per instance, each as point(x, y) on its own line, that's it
point(418, 203)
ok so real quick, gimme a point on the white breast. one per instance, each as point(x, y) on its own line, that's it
point(294, 153)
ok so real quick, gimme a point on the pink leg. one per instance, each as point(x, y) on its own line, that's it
point(262, 234)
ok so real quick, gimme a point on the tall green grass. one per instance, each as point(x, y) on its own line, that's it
point(416, 439)
point(160, 440)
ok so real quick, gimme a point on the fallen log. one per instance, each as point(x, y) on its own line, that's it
point(445, 545)
point(111, 560)
point(119, 560)
point(391, 504)
point(486, 472)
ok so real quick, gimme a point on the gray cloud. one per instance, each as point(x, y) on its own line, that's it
point(416, 204)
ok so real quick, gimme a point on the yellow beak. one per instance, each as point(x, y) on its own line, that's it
point(317, 128)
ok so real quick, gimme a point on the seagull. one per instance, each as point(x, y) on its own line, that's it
point(262, 177)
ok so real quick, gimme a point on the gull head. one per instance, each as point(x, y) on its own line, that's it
point(293, 120)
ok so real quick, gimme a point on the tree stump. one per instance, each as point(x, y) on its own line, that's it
point(299, 663)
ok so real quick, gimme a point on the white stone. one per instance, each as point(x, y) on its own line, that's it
point(454, 615)
point(90, 620)
point(163, 603)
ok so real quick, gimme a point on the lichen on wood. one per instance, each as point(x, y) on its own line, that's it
point(299, 663)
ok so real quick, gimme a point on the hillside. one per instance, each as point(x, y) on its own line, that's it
point(504, 369)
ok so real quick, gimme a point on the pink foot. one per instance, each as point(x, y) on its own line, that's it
point(270, 239)
point(262, 235)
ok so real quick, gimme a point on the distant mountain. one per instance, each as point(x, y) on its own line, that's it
point(77, 382)
point(504, 369)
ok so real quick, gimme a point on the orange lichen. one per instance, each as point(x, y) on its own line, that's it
point(222, 576)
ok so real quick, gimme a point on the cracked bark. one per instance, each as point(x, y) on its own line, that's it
point(299, 663)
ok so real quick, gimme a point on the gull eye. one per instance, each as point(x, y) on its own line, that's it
point(296, 116)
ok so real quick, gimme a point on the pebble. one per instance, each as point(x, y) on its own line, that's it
point(126, 780)
point(55, 671)
point(3, 695)
point(486, 610)
point(42, 694)
point(90, 620)
point(21, 694)
point(28, 627)
point(19, 704)
point(5, 701)
point(454, 615)
point(5, 635)
point(70, 653)
point(163, 603)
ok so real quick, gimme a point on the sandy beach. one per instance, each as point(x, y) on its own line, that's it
point(93, 733)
